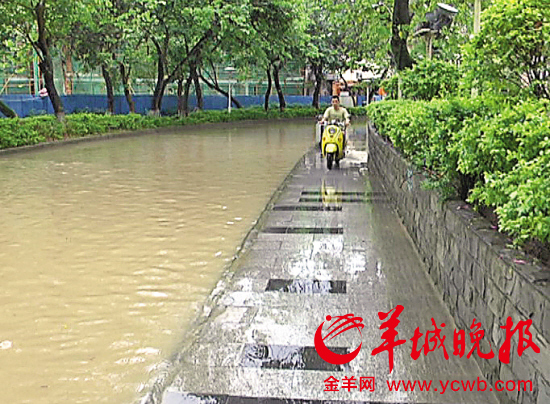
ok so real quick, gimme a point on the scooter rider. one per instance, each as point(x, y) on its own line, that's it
point(336, 112)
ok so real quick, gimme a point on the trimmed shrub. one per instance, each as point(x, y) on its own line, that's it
point(428, 79)
point(485, 150)
point(17, 132)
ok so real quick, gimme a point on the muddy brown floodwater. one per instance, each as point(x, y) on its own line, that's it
point(108, 248)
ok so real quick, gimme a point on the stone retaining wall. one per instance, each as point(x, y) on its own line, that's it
point(477, 275)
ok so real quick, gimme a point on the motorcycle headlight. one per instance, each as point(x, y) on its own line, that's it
point(332, 131)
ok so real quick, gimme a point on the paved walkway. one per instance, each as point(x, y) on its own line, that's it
point(329, 244)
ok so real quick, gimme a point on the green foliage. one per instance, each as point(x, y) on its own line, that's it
point(357, 111)
point(28, 131)
point(426, 80)
point(511, 54)
point(368, 25)
point(496, 140)
point(493, 151)
point(522, 197)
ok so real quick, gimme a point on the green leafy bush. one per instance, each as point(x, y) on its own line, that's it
point(521, 197)
point(495, 142)
point(491, 151)
point(28, 131)
point(427, 80)
point(511, 53)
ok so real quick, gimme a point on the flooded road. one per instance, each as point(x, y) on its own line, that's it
point(108, 248)
point(329, 294)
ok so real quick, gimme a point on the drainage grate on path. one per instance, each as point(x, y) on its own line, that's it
point(288, 357)
point(347, 193)
point(304, 230)
point(307, 208)
point(306, 286)
point(339, 199)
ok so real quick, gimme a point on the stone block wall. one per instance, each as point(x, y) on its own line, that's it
point(476, 273)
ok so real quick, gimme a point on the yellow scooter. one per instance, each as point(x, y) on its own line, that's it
point(333, 143)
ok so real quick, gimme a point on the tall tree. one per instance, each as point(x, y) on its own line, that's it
point(104, 41)
point(278, 34)
point(231, 48)
point(42, 24)
point(178, 30)
point(209, 77)
point(325, 44)
point(95, 44)
point(6, 46)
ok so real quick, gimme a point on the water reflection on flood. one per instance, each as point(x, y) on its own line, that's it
point(107, 248)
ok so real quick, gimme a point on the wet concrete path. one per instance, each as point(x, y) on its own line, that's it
point(329, 244)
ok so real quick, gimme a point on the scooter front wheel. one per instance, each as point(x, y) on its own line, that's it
point(330, 160)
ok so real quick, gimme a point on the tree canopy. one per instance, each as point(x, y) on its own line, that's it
point(512, 52)
point(180, 41)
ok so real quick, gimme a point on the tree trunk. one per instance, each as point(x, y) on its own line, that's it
point(347, 88)
point(46, 67)
point(183, 96)
point(318, 70)
point(401, 57)
point(45, 64)
point(185, 106)
point(197, 84)
point(163, 80)
point(7, 111)
point(401, 12)
point(268, 91)
point(401, 16)
point(125, 75)
point(68, 70)
point(109, 87)
point(158, 93)
point(282, 102)
point(180, 96)
point(346, 85)
point(216, 87)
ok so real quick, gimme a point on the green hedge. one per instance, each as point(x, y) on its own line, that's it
point(488, 150)
point(28, 131)
point(427, 79)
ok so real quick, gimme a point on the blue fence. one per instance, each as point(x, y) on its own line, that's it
point(28, 105)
